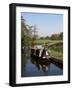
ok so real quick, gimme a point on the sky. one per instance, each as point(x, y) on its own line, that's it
point(47, 24)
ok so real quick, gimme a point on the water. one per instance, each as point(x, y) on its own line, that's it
point(32, 67)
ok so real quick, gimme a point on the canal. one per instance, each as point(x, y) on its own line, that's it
point(31, 67)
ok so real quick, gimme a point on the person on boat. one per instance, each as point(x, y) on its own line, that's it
point(44, 53)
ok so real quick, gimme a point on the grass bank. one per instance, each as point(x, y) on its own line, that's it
point(55, 47)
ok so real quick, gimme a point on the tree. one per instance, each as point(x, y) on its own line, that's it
point(47, 37)
point(41, 37)
point(28, 34)
point(57, 36)
point(34, 35)
point(61, 36)
point(25, 34)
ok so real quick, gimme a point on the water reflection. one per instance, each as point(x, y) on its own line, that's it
point(34, 67)
point(40, 65)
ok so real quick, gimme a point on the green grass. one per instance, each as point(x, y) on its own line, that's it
point(55, 54)
point(49, 42)
point(55, 48)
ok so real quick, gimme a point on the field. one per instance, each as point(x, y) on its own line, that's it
point(55, 47)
